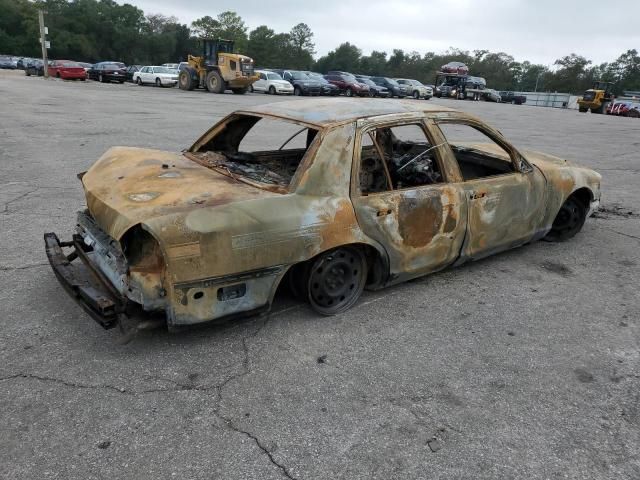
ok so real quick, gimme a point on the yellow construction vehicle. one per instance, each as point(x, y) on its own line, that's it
point(218, 69)
point(597, 98)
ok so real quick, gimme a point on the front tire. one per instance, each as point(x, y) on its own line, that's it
point(158, 82)
point(272, 90)
point(214, 82)
point(416, 95)
point(568, 221)
point(349, 92)
point(336, 279)
point(297, 92)
point(139, 81)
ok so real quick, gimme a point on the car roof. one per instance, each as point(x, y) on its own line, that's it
point(334, 111)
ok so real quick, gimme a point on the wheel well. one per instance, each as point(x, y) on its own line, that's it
point(141, 248)
point(584, 195)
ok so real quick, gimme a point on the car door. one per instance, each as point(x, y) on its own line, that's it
point(406, 197)
point(261, 84)
point(505, 194)
point(53, 69)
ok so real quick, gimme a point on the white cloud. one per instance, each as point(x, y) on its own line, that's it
point(536, 30)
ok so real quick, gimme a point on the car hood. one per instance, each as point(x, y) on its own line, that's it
point(128, 186)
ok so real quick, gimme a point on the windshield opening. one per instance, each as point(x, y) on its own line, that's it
point(260, 149)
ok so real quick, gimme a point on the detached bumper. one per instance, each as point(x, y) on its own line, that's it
point(83, 281)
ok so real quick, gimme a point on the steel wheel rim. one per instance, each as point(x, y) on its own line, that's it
point(569, 217)
point(335, 282)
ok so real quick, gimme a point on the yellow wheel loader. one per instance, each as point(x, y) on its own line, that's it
point(217, 69)
point(597, 98)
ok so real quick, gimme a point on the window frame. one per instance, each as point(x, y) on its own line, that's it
point(420, 122)
point(518, 162)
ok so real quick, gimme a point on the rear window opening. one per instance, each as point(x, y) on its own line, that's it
point(260, 149)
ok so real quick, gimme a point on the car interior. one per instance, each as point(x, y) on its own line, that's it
point(247, 146)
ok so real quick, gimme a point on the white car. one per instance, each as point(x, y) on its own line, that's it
point(158, 75)
point(416, 89)
point(271, 82)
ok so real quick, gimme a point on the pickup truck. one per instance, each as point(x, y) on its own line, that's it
point(511, 97)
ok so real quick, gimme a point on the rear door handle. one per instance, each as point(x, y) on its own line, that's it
point(382, 213)
point(476, 195)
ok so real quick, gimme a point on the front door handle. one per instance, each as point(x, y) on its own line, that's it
point(476, 195)
point(382, 213)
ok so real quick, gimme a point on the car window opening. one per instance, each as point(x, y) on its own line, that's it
point(260, 149)
point(467, 144)
point(397, 157)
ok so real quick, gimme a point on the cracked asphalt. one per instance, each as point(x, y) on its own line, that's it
point(523, 365)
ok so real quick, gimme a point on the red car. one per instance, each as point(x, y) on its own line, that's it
point(67, 70)
point(347, 83)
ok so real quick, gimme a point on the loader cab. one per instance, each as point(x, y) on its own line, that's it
point(212, 47)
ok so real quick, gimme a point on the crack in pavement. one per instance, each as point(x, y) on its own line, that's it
point(5, 210)
point(22, 267)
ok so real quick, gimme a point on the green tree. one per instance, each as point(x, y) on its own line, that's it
point(205, 27)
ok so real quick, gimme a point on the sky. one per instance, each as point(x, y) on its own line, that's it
point(536, 30)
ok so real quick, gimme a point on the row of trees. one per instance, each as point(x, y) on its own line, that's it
point(92, 30)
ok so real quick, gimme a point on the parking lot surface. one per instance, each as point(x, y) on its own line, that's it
point(523, 365)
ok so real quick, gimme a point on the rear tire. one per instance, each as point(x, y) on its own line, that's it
point(416, 95)
point(158, 82)
point(214, 82)
point(336, 279)
point(185, 82)
point(568, 221)
point(582, 109)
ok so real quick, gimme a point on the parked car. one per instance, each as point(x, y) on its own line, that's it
point(339, 204)
point(34, 67)
point(108, 72)
point(395, 89)
point(374, 90)
point(491, 95)
point(130, 70)
point(9, 63)
point(302, 83)
point(511, 97)
point(156, 75)
point(22, 62)
point(67, 70)
point(347, 83)
point(85, 65)
point(272, 83)
point(415, 88)
point(327, 88)
point(455, 67)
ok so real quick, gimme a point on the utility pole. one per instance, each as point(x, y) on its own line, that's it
point(43, 43)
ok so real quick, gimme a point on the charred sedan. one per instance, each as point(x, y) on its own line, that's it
point(333, 194)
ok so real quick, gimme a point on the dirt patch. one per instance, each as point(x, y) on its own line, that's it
point(557, 268)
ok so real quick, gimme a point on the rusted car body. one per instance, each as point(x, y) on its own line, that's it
point(211, 232)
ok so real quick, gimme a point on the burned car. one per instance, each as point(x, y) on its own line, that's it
point(333, 195)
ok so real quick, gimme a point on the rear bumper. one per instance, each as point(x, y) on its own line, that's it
point(83, 281)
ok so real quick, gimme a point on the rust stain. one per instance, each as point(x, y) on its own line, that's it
point(419, 222)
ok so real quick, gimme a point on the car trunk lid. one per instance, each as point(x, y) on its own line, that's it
point(127, 186)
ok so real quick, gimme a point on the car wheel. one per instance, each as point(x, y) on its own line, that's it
point(349, 92)
point(416, 95)
point(139, 81)
point(568, 221)
point(336, 280)
point(272, 90)
point(158, 82)
point(297, 92)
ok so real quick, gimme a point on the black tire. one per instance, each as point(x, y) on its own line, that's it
point(416, 95)
point(297, 92)
point(272, 90)
point(185, 82)
point(251, 88)
point(139, 81)
point(82, 79)
point(27, 73)
point(349, 92)
point(568, 221)
point(120, 82)
point(372, 93)
point(158, 82)
point(239, 91)
point(336, 279)
point(583, 109)
point(214, 82)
